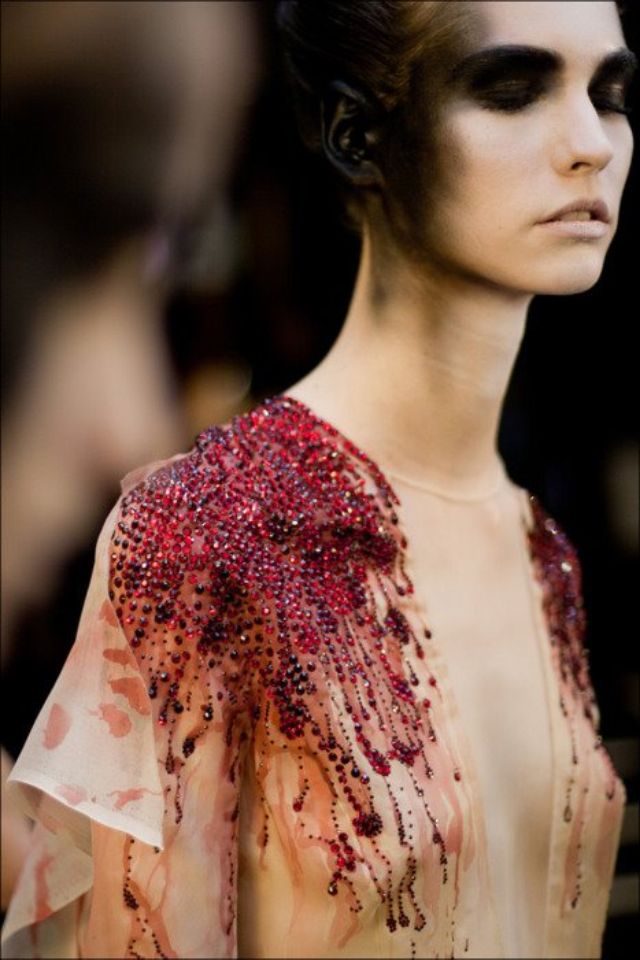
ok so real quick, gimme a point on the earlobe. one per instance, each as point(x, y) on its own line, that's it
point(350, 134)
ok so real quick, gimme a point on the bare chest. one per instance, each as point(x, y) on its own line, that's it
point(474, 584)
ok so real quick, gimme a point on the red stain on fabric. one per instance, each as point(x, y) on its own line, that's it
point(128, 796)
point(133, 689)
point(71, 793)
point(57, 727)
point(43, 907)
point(119, 723)
point(117, 656)
point(108, 613)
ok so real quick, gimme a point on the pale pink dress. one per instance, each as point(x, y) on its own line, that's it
point(277, 734)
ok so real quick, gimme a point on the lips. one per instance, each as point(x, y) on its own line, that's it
point(583, 209)
point(576, 215)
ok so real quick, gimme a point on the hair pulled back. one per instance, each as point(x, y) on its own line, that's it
point(394, 53)
point(378, 47)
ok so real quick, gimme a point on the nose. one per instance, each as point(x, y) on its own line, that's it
point(582, 142)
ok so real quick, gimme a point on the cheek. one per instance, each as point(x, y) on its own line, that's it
point(490, 174)
point(623, 146)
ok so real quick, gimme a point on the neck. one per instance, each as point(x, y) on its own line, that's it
point(418, 375)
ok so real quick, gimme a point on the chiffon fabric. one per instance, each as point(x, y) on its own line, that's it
point(313, 712)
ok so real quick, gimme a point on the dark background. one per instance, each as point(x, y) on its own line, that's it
point(568, 432)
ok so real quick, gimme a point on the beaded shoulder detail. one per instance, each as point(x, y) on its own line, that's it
point(260, 582)
point(557, 568)
point(256, 551)
point(262, 574)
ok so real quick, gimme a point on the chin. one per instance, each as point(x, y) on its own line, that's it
point(567, 271)
point(574, 278)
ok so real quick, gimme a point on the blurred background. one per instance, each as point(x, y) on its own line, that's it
point(171, 256)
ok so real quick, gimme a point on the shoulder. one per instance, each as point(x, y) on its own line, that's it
point(226, 482)
point(195, 536)
point(190, 514)
point(183, 572)
point(551, 547)
point(270, 499)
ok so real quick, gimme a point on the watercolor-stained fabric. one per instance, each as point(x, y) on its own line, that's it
point(253, 748)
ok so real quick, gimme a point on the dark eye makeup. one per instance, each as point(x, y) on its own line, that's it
point(510, 78)
point(512, 97)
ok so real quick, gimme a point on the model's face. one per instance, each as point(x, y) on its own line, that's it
point(524, 133)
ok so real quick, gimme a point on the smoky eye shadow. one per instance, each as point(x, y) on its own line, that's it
point(478, 71)
point(619, 66)
point(616, 76)
point(501, 79)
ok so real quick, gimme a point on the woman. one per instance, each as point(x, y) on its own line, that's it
point(333, 703)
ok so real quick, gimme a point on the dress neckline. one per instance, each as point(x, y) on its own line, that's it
point(435, 491)
point(438, 656)
point(388, 473)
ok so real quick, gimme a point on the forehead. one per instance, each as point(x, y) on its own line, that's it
point(574, 28)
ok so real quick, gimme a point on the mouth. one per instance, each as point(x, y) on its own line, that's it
point(581, 211)
point(573, 216)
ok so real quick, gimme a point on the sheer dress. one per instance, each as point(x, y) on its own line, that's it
point(311, 714)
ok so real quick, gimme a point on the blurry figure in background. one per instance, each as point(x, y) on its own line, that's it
point(119, 124)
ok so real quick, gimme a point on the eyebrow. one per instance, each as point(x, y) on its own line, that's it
point(509, 56)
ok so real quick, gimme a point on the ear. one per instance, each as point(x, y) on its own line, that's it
point(350, 133)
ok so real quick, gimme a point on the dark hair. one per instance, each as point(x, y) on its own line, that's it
point(379, 47)
point(376, 46)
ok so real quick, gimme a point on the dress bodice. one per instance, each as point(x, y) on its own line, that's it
point(291, 744)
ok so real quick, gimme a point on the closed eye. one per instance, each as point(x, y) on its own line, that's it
point(512, 96)
point(512, 77)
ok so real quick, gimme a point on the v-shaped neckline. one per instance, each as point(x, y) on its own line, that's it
point(542, 639)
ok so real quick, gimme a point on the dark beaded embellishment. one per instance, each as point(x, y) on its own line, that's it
point(558, 570)
point(248, 577)
point(252, 581)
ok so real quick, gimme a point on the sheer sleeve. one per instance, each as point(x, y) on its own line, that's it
point(132, 767)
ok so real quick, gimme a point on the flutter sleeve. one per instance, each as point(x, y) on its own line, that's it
point(133, 766)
